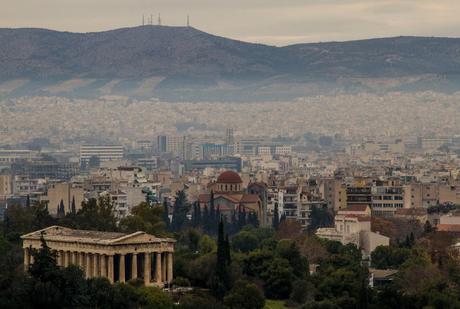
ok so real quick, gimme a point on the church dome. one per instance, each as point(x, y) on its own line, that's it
point(229, 177)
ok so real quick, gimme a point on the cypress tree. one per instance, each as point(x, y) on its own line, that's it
point(61, 210)
point(276, 217)
point(253, 219)
point(227, 250)
point(240, 218)
point(73, 208)
point(166, 214)
point(205, 219)
point(283, 217)
point(218, 216)
point(412, 239)
point(233, 223)
point(198, 214)
point(212, 214)
point(244, 218)
point(28, 201)
point(222, 278)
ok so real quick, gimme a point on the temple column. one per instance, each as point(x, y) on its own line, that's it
point(134, 266)
point(81, 260)
point(163, 267)
point(66, 258)
point(95, 262)
point(158, 268)
point(60, 258)
point(74, 260)
point(26, 259)
point(110, 268)
point(147, 268)
point(88, 265)
point(170, 267)
point(122, 268)
point(103, 265)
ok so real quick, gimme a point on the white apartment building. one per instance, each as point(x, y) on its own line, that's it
point(354, 229)
point(102, 152)
point(10, 156)
point(283, 150)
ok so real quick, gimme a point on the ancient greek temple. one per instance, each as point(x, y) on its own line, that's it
point(118, 257)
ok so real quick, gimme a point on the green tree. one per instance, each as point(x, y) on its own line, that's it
point(302, 291)
point(244, 295)
point(288, 250)
point(320, 217)
point(145, 218)
point(206, 245)
point(244, 242)
point(97, 215)
point(278, 279)
point(154, 298)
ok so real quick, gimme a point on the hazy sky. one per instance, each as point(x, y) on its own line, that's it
point(276, 22)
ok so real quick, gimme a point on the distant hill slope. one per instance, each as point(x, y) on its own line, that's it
point(183, 63)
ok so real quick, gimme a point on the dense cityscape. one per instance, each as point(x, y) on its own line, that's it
point(304, 174)
point(152, 164)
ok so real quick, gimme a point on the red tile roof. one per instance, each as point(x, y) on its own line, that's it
point(448, 228)
point(356, 208)
point(249, 198)
point(229, 177)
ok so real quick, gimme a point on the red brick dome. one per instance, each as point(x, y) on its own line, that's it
point(229, 177)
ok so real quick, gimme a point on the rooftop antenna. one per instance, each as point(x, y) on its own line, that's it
point(159, 19)
point(188, 21)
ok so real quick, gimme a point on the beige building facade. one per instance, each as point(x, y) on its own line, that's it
point(65, 192)
point(116, 256)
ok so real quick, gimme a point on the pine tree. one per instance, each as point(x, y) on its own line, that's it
point(44, 264)
point(276, 217)
point(180, 211)
point(73, 208)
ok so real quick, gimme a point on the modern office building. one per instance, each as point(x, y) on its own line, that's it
point(231, 163)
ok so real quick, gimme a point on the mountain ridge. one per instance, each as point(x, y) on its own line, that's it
point(180, 62)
